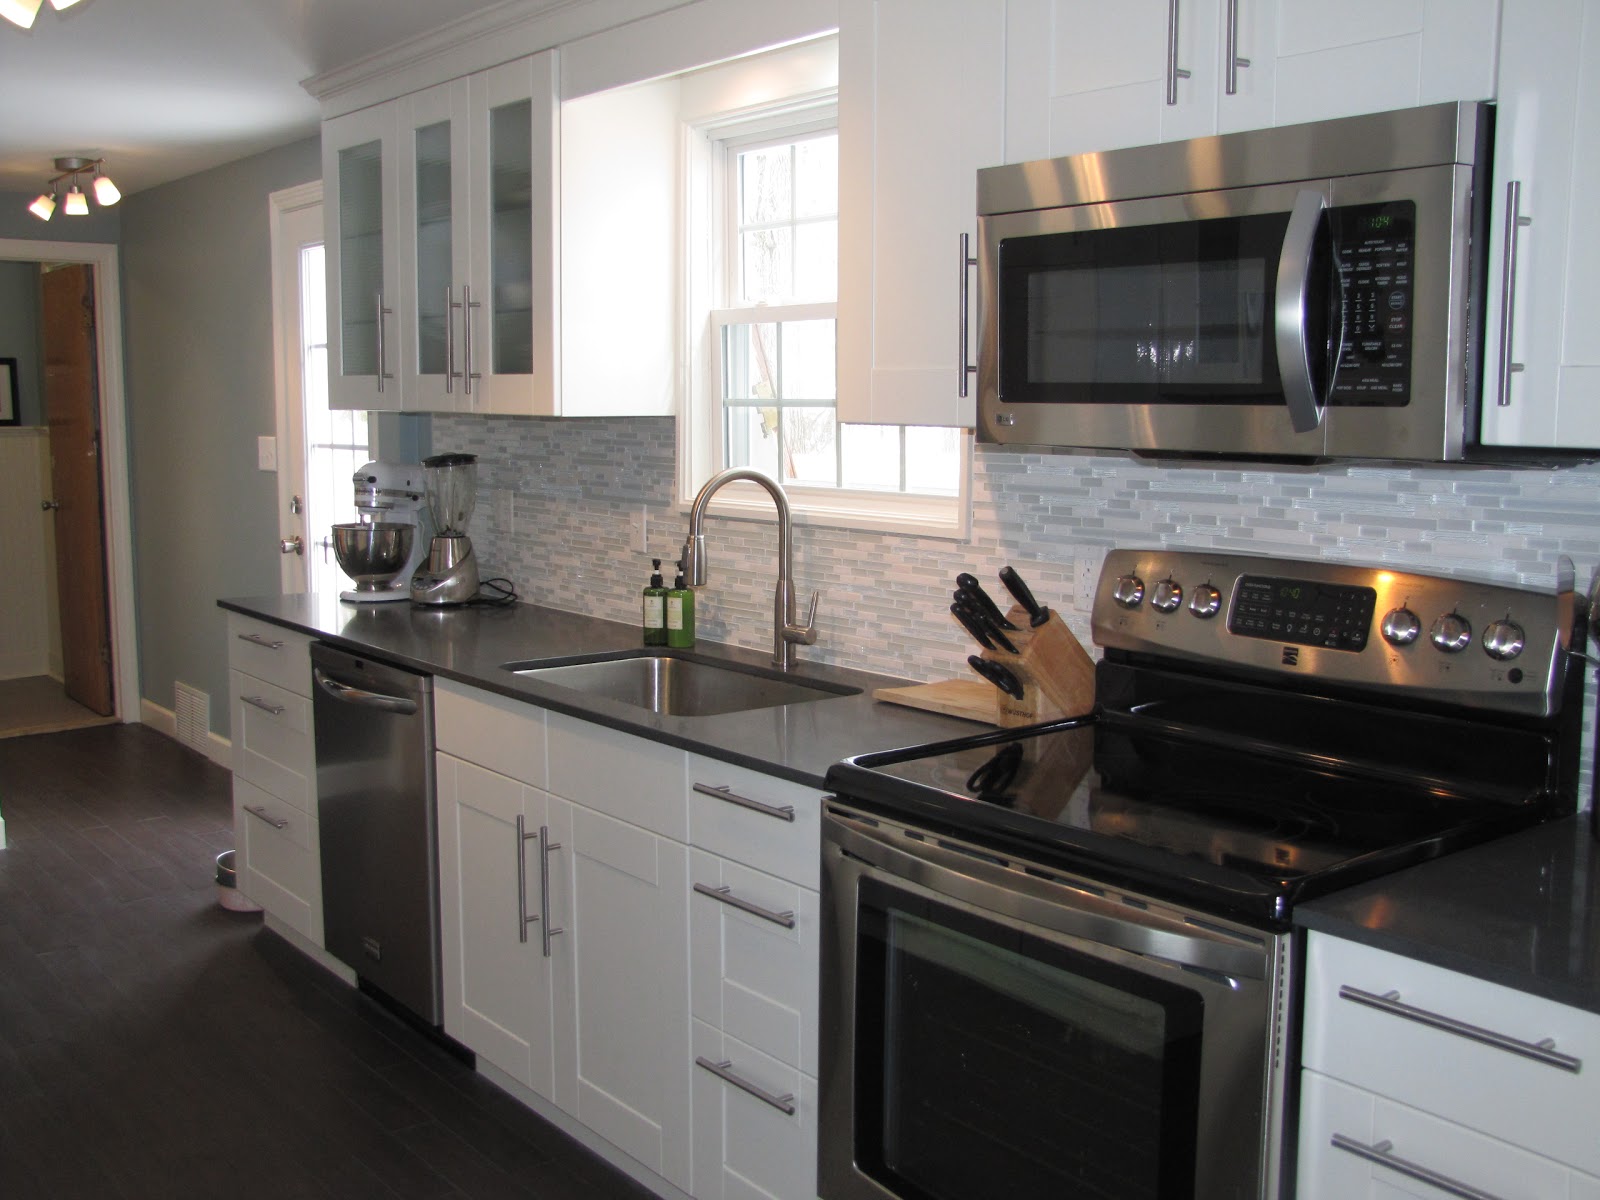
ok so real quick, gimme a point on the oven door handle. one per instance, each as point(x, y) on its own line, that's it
point(1291, 303)
point(1042, 903)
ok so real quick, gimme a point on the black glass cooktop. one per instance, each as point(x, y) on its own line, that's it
point(1218, 814)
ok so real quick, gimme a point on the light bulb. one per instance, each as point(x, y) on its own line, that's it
point(20, 12)
point(77, 202)
point(58, 5)
point(104, 190)
point(44, 206)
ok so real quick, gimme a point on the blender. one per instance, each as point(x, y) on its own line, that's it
point(382, 549)
point(450, 575)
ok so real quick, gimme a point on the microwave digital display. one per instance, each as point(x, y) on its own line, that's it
point(1375, 245)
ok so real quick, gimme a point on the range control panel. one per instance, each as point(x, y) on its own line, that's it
point(1452, 640)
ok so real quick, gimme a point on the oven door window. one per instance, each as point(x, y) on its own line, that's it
point(1147, 314)
point(992, 1062)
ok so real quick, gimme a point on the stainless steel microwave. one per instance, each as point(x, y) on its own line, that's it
point(1300, 293)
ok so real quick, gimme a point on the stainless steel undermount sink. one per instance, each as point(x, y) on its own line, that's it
point(676, 685)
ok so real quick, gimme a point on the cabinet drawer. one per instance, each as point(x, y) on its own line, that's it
point(281, 870)
point(270, 652)
point(626, 777)
point(767, 823)
point(743, 1145)
point(1404, 1055)
point(753, 958)
point(505, 735)
point(1343, 1129)
point(273, 745)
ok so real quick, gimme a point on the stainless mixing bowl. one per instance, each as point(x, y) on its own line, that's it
point(372, 554)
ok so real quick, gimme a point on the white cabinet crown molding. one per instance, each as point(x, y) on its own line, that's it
point(485, 39)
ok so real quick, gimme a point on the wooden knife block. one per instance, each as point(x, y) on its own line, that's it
point(1055, 671)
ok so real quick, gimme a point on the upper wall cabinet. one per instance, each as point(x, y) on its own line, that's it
point(1541, 370)
point(1085, 76)
point(921, 95)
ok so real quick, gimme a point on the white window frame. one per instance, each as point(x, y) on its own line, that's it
point(709, 146)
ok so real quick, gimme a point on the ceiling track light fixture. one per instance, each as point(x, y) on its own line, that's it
point(22, 12)
point(70, 167)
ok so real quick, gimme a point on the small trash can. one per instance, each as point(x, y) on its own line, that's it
point(228, 886)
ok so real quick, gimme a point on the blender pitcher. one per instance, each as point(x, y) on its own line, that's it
point(450, 576)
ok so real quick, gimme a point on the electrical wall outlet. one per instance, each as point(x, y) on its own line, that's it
point(640, 526)
point(1086, 576)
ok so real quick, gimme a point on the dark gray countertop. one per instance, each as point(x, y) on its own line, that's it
point(1523, 911)
point(797, 741)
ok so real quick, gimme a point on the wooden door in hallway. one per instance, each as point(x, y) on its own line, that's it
point(72, 408)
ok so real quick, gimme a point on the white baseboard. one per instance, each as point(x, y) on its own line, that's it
point(163, 720)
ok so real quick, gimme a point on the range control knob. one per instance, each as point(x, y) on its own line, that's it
point(1206, 601)
point(1451, 632)
point(1129, 591)
point(1166, 596)
point(1401, 627)
point(1504, 639)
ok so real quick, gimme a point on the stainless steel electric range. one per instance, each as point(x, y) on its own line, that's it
point(1058, 961)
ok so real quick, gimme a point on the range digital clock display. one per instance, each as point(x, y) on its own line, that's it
point(1302, 612)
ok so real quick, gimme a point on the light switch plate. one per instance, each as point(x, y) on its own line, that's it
point(267, 453)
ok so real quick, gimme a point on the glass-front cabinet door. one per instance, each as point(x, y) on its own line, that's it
point(360, 193)
point(511, 332)
point(434, 186)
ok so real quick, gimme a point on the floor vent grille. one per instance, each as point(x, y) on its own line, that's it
point(193, 710)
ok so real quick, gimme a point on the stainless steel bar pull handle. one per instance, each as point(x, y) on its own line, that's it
point(964, 369)
point(354, 695)
point(276, 710)
point(450, 307)
point(382, 313)
point(1390, 1002)
point(782, 813)
point(467, 373)
point(545, 847)
point(1382, 1154)
point(255, 810)
point(1515, 222)
point(1174, 71)
point(784, 1103)
point(523, 918)
point(256, 639)
point(1232, 52)
point(726, 896)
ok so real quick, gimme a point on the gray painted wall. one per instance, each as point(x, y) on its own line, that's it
point(19, 336)
point(197, 286)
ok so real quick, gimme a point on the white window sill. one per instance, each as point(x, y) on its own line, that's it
point(948, 518)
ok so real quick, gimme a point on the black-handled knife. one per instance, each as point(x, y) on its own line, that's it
point(972, 625)
point(997, 638)
point(1038, 614)
point(998, 674)
point(969, 584)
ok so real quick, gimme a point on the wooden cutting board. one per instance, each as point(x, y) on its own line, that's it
point(971, 699)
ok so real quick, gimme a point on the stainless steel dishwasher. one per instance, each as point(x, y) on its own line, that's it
point(375, 804)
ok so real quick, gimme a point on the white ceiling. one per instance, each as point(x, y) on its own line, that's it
point(164, 88)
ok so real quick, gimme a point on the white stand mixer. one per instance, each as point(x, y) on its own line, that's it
point(383, 549)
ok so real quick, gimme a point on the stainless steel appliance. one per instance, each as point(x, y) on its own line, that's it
point(1058, 961)
point(450, 576)
point(1307, 292)
point(382, 550)
point(375, 804)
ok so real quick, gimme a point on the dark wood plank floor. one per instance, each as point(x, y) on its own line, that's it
point(154, 1045)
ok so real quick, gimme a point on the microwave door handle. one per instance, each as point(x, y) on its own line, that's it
point(1289, 312)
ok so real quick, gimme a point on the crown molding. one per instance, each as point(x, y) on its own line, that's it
point(484, 39)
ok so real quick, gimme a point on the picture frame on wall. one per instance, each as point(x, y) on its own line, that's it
point(8, 392)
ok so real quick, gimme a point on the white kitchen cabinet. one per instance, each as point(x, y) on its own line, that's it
point(921, 108)
point(748, 1144)
point(361, 194)
point(276, 843)
point(1083, 76)
point(1409, 1067)
point(1541, 369)
point(496, 871)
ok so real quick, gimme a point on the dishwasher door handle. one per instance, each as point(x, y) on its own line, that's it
point(403, 705)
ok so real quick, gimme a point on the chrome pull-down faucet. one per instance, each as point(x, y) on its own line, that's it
point(786, 632)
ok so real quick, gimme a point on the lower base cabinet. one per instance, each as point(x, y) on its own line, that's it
point(755, 1133)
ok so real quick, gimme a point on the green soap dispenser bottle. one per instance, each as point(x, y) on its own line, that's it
point(680, 613)
point(655, 608)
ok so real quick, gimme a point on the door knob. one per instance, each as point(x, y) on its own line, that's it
point(47, 505)
point(292, 545)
